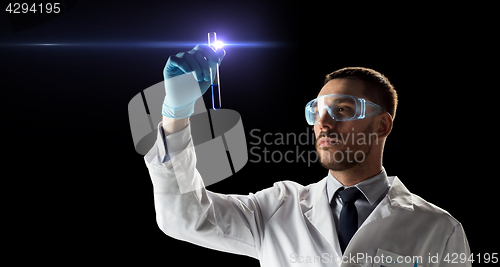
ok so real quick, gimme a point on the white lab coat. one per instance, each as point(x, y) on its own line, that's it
point(292, 225)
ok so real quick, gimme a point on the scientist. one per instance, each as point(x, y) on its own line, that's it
point(355, 216)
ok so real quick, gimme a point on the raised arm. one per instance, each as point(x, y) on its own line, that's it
point(185, 210)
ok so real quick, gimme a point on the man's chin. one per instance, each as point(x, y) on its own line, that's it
point(339, 166)
point(333, 154)
point(337, 159)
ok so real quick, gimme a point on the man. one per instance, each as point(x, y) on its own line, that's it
point(354, 216)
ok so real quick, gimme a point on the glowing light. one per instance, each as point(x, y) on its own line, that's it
point(145, 44)
point(219, 44)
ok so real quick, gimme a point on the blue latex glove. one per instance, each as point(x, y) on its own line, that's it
point(187, 77)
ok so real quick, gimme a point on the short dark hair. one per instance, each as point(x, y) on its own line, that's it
point(378, 89)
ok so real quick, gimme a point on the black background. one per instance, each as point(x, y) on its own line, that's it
point(75, 189)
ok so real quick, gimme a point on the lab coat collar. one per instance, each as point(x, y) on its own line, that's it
point(316, 208)
point(372, 188)
point(399, 195)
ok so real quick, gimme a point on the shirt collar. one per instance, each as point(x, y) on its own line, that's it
point(372, 188)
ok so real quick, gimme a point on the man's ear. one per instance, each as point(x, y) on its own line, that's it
point(384, 125)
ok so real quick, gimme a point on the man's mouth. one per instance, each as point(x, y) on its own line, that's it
point(325, 142)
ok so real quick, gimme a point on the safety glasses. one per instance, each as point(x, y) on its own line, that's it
point(340, 108)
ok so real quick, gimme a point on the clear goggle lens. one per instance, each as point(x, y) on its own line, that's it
point(340, 108)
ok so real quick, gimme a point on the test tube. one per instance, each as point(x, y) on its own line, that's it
point(216, 103)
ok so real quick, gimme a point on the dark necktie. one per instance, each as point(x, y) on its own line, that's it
point(348, 221)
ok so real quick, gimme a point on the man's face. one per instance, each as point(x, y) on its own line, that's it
point(342, 145)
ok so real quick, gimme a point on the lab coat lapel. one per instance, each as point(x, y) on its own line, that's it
point(317, 210)
point(398, 196)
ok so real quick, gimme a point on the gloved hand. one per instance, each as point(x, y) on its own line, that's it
point(187, 77)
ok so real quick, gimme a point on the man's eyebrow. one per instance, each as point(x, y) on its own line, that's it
point(342, 100)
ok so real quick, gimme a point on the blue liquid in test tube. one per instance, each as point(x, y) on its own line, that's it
point(216, 103)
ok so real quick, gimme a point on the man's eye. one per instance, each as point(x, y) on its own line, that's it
point(342, 109)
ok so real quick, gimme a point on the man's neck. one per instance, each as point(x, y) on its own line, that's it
point(356, 174)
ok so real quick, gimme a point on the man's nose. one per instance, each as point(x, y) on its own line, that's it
point(326, 121)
